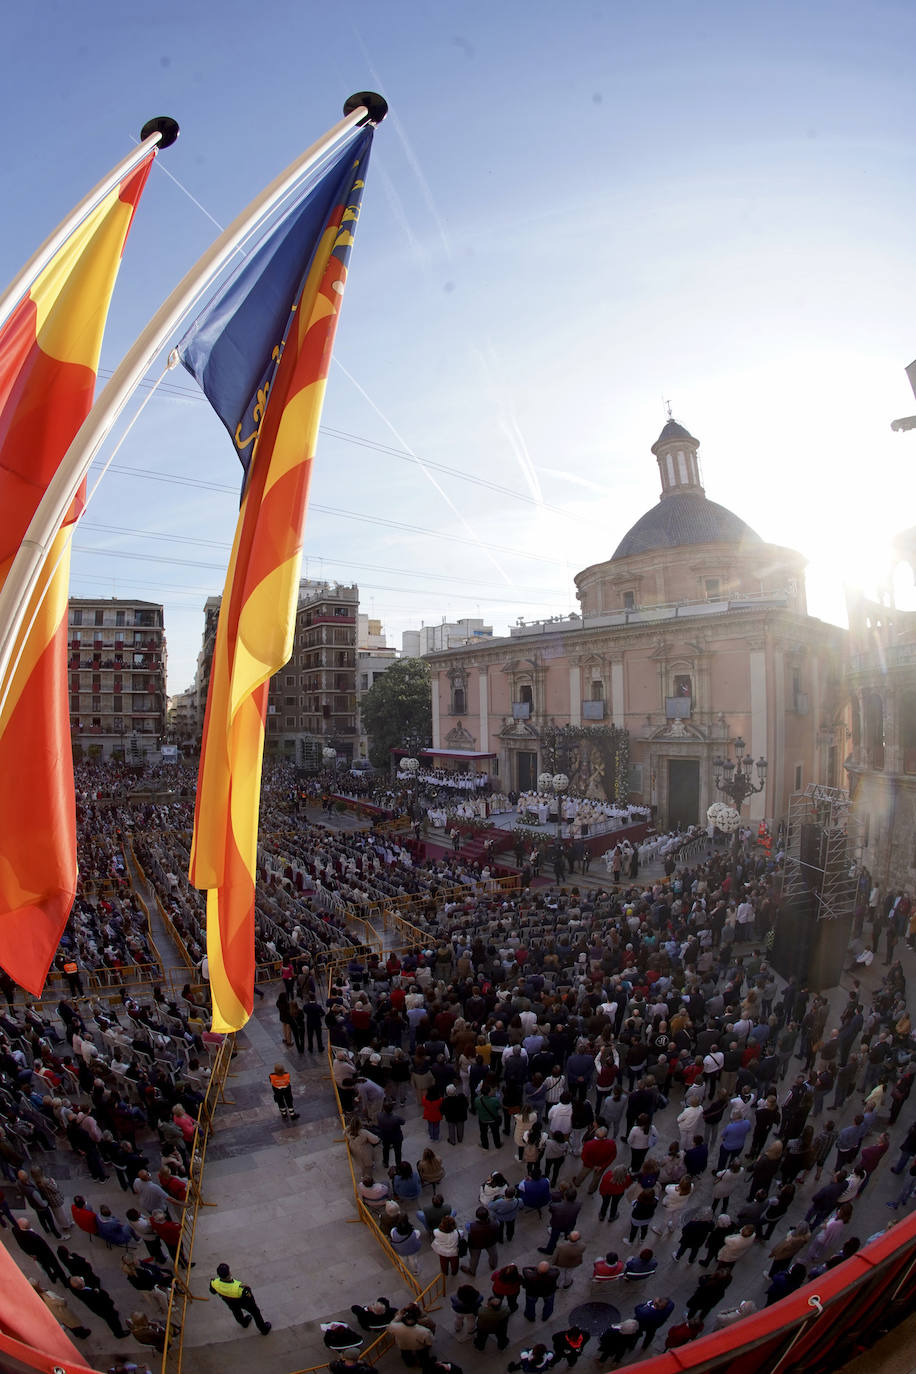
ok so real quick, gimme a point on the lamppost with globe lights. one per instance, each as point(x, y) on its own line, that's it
point(410, 768)
point(555, 784)
point(734, 776)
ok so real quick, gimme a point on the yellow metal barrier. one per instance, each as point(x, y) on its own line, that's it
point(181, 1293)
point(409, 1279)
point(383, 1343)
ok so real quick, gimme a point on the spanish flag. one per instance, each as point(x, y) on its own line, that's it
point(288, 294)
point(49, 353)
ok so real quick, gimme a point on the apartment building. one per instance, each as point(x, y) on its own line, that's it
point(116, 669)
point(313, 698)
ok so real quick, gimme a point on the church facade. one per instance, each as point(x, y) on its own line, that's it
point(881, 765)
point(691, 638)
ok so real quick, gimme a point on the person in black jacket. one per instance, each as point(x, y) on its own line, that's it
point(569, 1345)
point(709, 1292)
point(376, 1316)
point(99, 1301)
point(38, 1249)
point(390, 1128)
point(455, 1113)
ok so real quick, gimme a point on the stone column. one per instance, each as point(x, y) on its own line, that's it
point(575, 694)
point(758, 741)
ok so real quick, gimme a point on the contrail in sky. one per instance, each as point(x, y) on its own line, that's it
point(429, 476)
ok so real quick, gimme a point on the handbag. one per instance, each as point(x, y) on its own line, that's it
point(462, 1246)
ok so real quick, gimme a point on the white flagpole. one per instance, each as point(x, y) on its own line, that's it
point(25, 570)
point(157, 133)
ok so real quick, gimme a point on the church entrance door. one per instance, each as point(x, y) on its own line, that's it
point(527, 770)
point(683, 792)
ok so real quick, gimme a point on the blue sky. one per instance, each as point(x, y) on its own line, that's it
point(571, 214)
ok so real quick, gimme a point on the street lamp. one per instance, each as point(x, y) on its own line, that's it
point(734, 776)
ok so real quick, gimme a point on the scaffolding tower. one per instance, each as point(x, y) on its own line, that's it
point(822, 851)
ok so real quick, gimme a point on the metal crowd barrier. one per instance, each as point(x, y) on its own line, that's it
point(383, 1343)
point(181, 1293)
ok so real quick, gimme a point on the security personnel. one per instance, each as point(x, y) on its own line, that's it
point(239, 1298)
point(283, 1093)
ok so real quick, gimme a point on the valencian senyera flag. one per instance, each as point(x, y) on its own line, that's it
point(49, 354)
point(261, 351)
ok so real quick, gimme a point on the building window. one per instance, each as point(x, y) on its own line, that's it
point(119, 617)
point(798, 777)
point(458, 706)
point(75, 703)
point(289, 680)
point(99, 618)
point(76, 618)
point(874, 730)
point(597, 691)
point(683, 687)
point(712, 588)
point(908, 731)
point(629, 601)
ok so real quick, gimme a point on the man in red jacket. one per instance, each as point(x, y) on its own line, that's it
point(597, 1154)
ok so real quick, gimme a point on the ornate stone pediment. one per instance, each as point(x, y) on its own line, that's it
point(459, 738)
point(518, 729)
point(678, 729)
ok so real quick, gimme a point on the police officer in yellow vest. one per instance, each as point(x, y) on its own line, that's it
point(239, 1298)
point(283, 1093)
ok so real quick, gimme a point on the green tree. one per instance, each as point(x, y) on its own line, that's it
point(398, 709)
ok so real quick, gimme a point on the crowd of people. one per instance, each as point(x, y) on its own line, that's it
point(96, 1092)
point(624, 1054)
point(636, 1061)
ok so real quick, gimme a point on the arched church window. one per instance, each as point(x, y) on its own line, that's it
point(458, 706)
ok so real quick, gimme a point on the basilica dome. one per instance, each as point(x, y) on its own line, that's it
point(684, 515)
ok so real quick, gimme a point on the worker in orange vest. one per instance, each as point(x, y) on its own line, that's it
point(283, 1093)
point(72, 975)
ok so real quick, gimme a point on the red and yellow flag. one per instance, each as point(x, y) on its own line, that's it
point(258, 614)
point(49, 353)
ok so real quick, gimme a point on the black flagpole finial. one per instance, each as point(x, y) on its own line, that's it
point(164, 125)
point(376, 105)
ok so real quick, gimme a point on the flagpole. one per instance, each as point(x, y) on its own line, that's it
point(156, 133)
point(364, 108)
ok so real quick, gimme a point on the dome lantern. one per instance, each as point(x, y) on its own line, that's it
point(678, 461)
